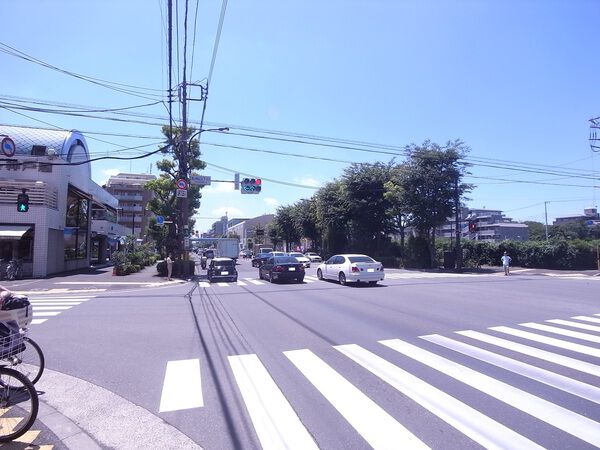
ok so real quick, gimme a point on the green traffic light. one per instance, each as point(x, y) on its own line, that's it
point(22, 207)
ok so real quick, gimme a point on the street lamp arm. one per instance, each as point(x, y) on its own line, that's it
point(197, 133)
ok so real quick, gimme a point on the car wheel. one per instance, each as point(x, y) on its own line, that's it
point(234, 280)
point(342, 279)
point(300, 280)
point(319, 274)
point(260, 275)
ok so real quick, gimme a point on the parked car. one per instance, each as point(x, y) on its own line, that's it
point(351, 268)
point(281, 268)
point(222, 268)
point(313, 257)
point(301, 258)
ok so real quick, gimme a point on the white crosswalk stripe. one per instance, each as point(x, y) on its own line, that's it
point(45, 307)
point(279, 424)
point(412, 275)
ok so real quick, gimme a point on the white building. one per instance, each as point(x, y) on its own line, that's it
point(56, 234)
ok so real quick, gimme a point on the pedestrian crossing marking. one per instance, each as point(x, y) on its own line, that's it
point(579, 348)
point(253, 281)
point(274, 420)
point(472, 423)
point(569, 323)
point(562, 360)
point(557, 381)
point(182, 386)
point(45, 307)
point(241, 283)
point(587, 319)
point(555, 330)
point(557, 416)
point(373, 423)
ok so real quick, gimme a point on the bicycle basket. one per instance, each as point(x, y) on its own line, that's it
point(12, 344)
point(22, 316)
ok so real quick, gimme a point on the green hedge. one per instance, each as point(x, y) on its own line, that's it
point(560, 254)
point(127, 261)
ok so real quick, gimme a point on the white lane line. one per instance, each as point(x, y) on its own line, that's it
point(557, 416)
point(309, 277)
point(37, 321)
point(583, 390)
point(275, 422)
point(44, 304)
point(566, 361)
point(308, 280)
point(587, 319)
point(477, 426)
point(374, 424)
point(45, 314)
point(241, 283)
point(563, 332)
point(203, 284)
point(253, 281)
point(182, 386)
point(223, 284)
point(569, 323)
point(37, 308)
point(586, 350)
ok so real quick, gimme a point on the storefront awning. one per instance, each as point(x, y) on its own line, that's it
point(13, 232)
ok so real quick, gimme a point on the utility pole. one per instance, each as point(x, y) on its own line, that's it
point(546, 214)
point(458, 230)
point(183, 151)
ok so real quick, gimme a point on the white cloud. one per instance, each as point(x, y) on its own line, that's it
point(218, 188)
point(271, 201)
point(308, 181)
point(107, 173)
point(230, 211)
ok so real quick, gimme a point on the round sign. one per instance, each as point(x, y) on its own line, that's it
point(8, 146)
point(182, 184)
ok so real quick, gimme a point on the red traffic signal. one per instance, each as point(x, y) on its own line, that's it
point(472, 226)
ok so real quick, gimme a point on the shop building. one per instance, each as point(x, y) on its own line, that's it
point(56, 233)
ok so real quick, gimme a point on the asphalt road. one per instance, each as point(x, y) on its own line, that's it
point(256, 364)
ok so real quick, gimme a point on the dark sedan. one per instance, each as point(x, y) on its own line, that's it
point(222, 268)
point(281, 268)
point(260, 259)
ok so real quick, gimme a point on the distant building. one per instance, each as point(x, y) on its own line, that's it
point(590, 216)
point(488, 225)
point(133, 197)
point(253, 231)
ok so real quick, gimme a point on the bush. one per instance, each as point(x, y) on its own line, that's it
point(126, 261)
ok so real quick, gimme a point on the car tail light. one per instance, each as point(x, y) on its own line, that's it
point(355, 269)
point(278, 269)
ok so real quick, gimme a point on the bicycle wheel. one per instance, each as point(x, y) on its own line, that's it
point(19, 404)
point(30, 362)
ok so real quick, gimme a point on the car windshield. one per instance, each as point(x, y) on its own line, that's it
point(224, 263)
point(365, 259)
point(297, 255)
point(285, 260)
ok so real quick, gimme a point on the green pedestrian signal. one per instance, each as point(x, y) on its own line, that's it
point(22, 203)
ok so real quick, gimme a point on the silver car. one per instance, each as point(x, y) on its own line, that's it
point(351, 268)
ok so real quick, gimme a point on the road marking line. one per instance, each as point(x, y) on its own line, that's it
point(274, 420)
point(557, 416)
point(44, 314)
point(555, 380)
point(203, 284)
point(587, 319)
point(253, 281)
point(65, 299)
point(586, 350)
point(42, 304)
point(566, 361)
point(309, 277)
point(38, 308)
point(37, 321)
point(472, 423)
point(569, 323)
point(241, 283)
point(182, 386)
point(373, 423)
point(555, 330)
point(223, 284)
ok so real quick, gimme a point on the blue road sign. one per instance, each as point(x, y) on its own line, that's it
point(160, 220)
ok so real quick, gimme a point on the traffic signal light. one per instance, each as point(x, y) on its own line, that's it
point(251, 186)
point(472, 226)
point(23, 202)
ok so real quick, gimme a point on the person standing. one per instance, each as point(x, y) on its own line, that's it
point(169, 266)
point(506, 263)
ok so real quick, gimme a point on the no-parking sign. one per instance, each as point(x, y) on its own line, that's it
point(182, 184)
point(8, 147)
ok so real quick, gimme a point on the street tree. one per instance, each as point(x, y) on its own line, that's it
point(431, 184)
point(332, 216)
point(285, 220)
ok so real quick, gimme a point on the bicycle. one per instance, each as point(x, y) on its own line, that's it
point(19, 402)
point(14, 270)
point(30, 360)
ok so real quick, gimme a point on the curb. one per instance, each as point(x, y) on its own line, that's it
point(65, 430)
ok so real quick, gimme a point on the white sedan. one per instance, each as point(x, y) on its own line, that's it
point(301, 258)
point(313, 257)
point(351, 269)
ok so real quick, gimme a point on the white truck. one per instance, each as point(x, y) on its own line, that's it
point(228, 248)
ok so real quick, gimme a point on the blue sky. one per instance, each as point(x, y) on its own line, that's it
point(516, 80)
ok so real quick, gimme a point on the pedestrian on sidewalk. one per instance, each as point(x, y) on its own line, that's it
point(169, 266)
point(506, 263)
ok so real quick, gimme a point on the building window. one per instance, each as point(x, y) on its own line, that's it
point(76, 226)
